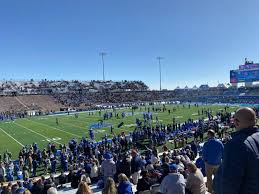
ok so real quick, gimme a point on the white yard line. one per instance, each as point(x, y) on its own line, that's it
point(36, 132)
point(12, 137)
point(63, 131)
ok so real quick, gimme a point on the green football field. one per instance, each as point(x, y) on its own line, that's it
point(21, 132)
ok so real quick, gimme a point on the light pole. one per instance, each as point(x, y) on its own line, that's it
point(160, 71)
point(102, 54)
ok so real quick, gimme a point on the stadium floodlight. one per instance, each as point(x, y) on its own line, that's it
point(102, 54)
point(160, 70)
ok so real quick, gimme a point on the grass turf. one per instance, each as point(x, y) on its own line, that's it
point(43, 129)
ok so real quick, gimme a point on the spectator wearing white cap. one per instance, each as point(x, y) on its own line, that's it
point(174, 182)
point(108, 167)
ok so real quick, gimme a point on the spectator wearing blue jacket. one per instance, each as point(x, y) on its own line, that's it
point(53, 165)
point(201, 164)
point(125, 186)
point(239, 172)
point(212, 155)
point(21, 189)
point(34, 167)
point(136, 165)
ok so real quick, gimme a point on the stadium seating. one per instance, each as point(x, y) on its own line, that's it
point(43, 102)
point(28, 102)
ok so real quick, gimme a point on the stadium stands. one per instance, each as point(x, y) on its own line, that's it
point(28, 102)
point(8, 103)
point(53, 95)
point(43, 102)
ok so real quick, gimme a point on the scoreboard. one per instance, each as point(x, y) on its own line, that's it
point(237, 76)
point(249, 66)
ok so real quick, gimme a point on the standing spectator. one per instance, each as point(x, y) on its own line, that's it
point(212, 155)
point(125, 166)
point(109, 187)
point(195, 181)
point(53, 165)
point(194, 148)
point(34, 167)
point(124, 185)
point(108, 167)
point(201, 164)
point(173, 183)
point(240, 167)
point(2, 172)
point(135, 166)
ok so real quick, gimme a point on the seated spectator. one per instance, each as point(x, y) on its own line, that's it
point(125, 186)
point(173, 183)
point(165, 171)
point(28, 184)
point(195, 182)
point(53, 181)
point(83, 188)
point(94, 172)
point(21, 189)
point(149, 166)
point(62, 179)
point(38, 187)
point(74, 180)
point(165, 165)
point(52, 190)
point(27, 192)
point(109, 187)
point(1, 187)
point(180, 165)
point(48, 183)
point(85, 178)
point(7, 190)
point(144, 183)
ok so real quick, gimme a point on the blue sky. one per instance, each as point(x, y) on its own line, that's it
point(200, 40)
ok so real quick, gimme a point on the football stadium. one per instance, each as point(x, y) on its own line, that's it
point(184, 123)
point(63, 127)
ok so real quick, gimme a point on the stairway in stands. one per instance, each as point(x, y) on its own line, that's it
point(21, 102)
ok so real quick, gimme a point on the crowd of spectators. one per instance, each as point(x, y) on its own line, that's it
point(63, 86)
point(117, 164)
point(83, 95)
point(211, 95)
